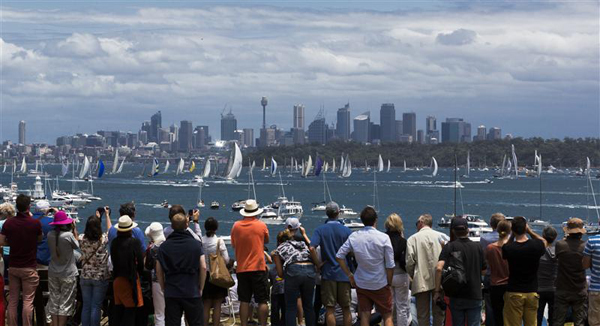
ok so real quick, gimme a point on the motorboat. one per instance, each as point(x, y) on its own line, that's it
point(538, 223)
point(353, 224)
point(319, 207)
point(214, 205)
point(347, 212)
point(238, 205)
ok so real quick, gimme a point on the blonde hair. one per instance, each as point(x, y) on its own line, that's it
point(6, 210)
point(503, 229)
point(394, 223)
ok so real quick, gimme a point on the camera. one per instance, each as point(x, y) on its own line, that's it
point(441, 303)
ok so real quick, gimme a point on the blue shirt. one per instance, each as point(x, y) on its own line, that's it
point(330, 237)
point(5, 249)
point(43, 251)
point(374, 254)
point(136, 232)
point(592, 250)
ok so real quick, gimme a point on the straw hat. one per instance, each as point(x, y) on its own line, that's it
point(574, 225)
point(61, 218)
point(251, 208)
point(125, 224)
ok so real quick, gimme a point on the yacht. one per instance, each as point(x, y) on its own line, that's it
point(198, 179)
point(347, 212)
point(353, 224)
point(214, 205)
point(319, 207)
point(238, 205)
point(444, 222)
point(289, 208)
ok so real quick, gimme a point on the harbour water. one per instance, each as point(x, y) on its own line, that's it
point(409, 193)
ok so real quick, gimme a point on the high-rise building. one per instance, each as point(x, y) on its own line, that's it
point(342, 130)
point(297, 136)
point(481, 133)
point(399, 130)
point(409, 124)
point(317, 131)
point(228, 126)
point(361, 128)
point(387, 117)
point(420, 136)
point(163, 136)
point(200, 136)
point(456, 130)
point(174, 130)
point(374, 132)
point(249, 137)
point(185, 138)
point(494, 133)
point(155, 125)
point(430, 124)
point(143, 137)
point(299, 116)
point(22, 132)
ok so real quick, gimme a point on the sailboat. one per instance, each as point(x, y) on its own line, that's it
point(200, 203)
point(367, 167)
point(404, 166)
point(318, 207)
point(590, 229)
point(388, 166)
point(333, 166)
point(120, 169)
point(306, 168)
point(468, 173)
point(4, 170)
point(435, 167)
point(166, 167)
point(85, 169)
point(347, 168)
point(115, 166)
point(380, 164)
point(264, 168)
point(375, 192)
point(192, 166)
point(235, 163)
point(23, 166)
point(514, 157)
point(273, 167)
point(205, 173)
point(180, 167)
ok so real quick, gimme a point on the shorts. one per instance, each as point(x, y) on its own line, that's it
point(123, 293)
point(333, 293)
point(253, 284)
point(62, 294)
point(382, 299)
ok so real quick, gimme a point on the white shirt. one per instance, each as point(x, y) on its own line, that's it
point(209, 246)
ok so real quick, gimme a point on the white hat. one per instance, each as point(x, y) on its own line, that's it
point(293, 223)
point(42, 205)
point(251, 208)
point(125, 224)
point(155, 232)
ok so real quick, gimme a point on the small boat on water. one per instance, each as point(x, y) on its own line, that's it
point(353, 224)
point(238, 205)
point(347, 212)
point(214, 205)
point(444, 222)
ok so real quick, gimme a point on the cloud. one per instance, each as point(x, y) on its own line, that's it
point(188, 62)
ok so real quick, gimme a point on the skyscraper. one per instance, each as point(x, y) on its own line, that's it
point(494, 133)
point(155, 125)
point(299, 116)
point(228, 126)
point(317, 130)
point(186, 133)
point(456, 130)
point(481, 133)
point(409, 124)
point(361, 127)
point(387, 116)
point(22, 132)
point(342, 130)
point(430, 124)
point(249, 137)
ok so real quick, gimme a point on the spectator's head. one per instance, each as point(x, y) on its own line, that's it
point(519, 225)
point(332, 210)
point(575, 228)
point(154, 233)
point(460, 227)
point(174, 210)
point(42, 206)
point(368, 216)
point(23, 203)
point(179, 222)
point(127, 209)
point(394, 223)
point(211, 225)
point(251, 209)
point(293, 224)
point(503, 229)
point(93, 229)
point(100, 211)
point(126, 224)
point(495, 219)
point(6, 210)
point(549, 234)
point(284, 236)
point(424, 220)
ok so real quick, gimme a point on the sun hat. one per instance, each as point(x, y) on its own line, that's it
point(155, 232)
point(251, 208)
point(61, 218)
point(42, 205)
point(459, 223)
point(125, 224)
point(574, 225)
point(332, 207)
point(293, 223)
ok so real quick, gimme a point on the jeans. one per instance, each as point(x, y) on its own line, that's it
point(192, 307)
point(25, 280)
point(563, 300)
point(299, 283)
point(400, 285)
point(278, 309)
point(497, 304)
point(490, 314)
point(546, 298)
point(465, 312)
point(92, 295)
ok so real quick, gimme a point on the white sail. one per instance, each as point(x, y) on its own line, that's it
point(404, 165)
point(435, 167)
point(24, 166)
point(206, 171)
point(308, 167)
point(588, 167)
point(389, 165)
point(154, 171)
point(264, 164)
point(347, 168)
point(236, 165)
point(468, 164)
point(121, 166)
point(342, 165)
point(166, 167)
point(85, 169)
point(273, 167)
point(514, 156)
point(535, 158)
point(539, 166)
point(180, 166)
point(253, 165)
point(4, 170)
point(37, 166)
point(14, 167)
point(503, 166)
point(380, 164)
point(115, 166)
point(333, 166)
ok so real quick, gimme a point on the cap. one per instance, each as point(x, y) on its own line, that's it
point(574, 225)
point(459, 223)
point(332, 207)
point(293, 223)
point(42, 205)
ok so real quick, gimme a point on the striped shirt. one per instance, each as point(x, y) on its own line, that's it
point(592, 249)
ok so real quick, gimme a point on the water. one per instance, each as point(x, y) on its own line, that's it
point(409, 194)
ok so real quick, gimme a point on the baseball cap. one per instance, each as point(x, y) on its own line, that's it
point(293, 223)
point(459, 223)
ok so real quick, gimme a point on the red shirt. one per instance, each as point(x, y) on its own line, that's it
point(497, 265)
point(248, 240)
point(22, 232)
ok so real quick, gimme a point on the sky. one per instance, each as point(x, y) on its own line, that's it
point(531, 68)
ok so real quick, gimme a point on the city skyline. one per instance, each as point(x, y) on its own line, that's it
point(84, 70)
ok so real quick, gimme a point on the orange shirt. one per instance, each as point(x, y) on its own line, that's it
point(248, 241)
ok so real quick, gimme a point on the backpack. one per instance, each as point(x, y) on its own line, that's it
point(454, 276)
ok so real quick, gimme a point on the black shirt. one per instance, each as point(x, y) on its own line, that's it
point(523, 262)
point(474, 263)
point(571, 274)
point(179, 257)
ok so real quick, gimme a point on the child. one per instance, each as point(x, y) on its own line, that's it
point(277, 290)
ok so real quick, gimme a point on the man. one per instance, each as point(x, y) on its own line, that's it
point(523, 256)
point(293, 224)
point(484, 241)
point(22, 233)
point(422, 253)
point(373, 279)
point(465, 305)
point(128, 209)
point(196, 232)
point(571, 283)
point(42, 209)
point(248, 238)
point(181, 272)
point(335, 285)
point(591, 260)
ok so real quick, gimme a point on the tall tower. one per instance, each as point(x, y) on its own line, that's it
point(264, 103)
point(22, 132)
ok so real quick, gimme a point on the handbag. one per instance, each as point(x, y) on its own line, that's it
point(219, 274)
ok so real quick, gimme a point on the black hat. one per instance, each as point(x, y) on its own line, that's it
point(459, 223)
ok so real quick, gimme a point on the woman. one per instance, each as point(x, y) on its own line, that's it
point(400, 283)
point(62, 270)
point(155, 234)
point(213, 295)
point(296, 266)
point(547, 275)
point(94, 273)
point(6, 211)
point(498, 271)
